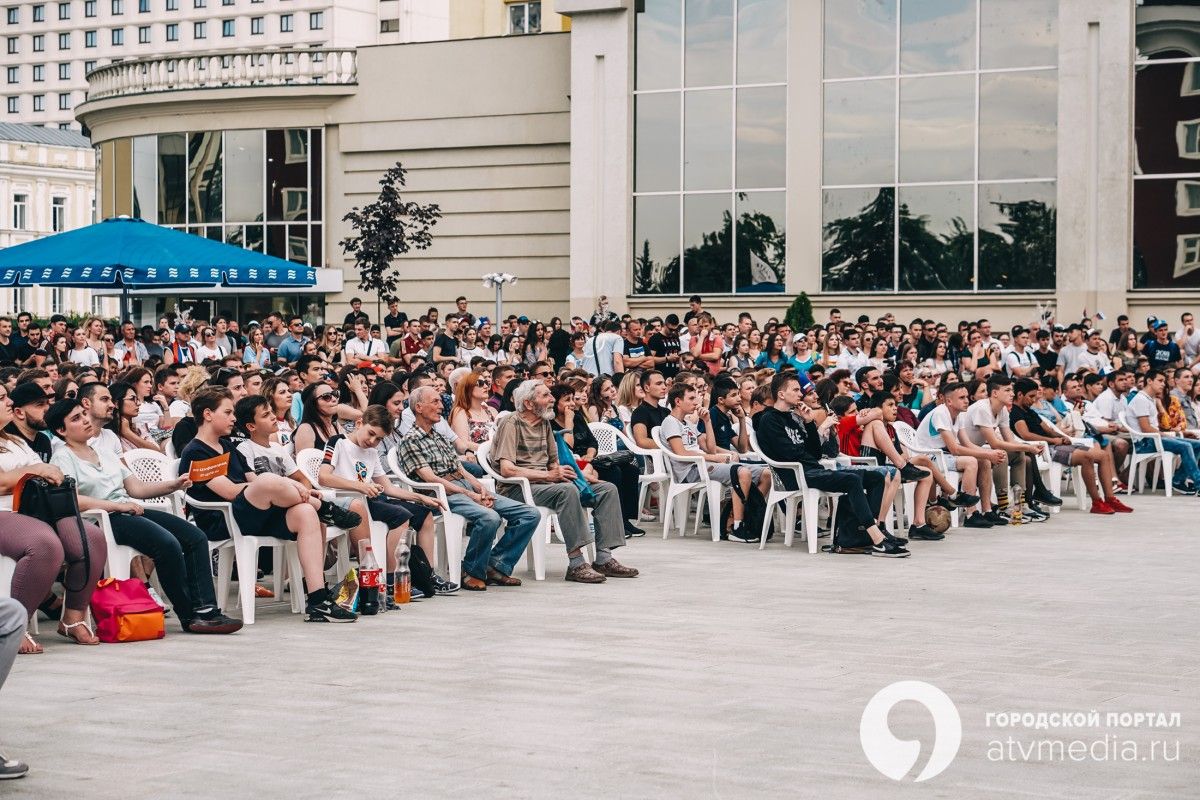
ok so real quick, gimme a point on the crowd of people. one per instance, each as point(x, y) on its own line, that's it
point(965, 413)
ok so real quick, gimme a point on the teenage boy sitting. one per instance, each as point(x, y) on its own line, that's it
point(1028, 425)
point(268, 506)
point(684, 439)
point(352, 462)
point(786, 432)
point(940, 431)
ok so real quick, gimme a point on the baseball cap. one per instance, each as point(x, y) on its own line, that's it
point(1059, 329)
point(28, 393)
point(181, 328)
point(523, 319)
point(1159, 324)
point(1093, 332)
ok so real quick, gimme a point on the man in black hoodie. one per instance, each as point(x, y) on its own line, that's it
point(786, 432)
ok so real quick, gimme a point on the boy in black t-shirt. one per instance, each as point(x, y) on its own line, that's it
point(649, 414)
point(263, 505)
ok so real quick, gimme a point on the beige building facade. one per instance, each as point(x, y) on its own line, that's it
point(47, 185)
point(981, 158)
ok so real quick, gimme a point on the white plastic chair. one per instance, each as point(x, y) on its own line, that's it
point(1138, 462)
point(681, 491)
point(809, 498)
point(245, 552)
point(309, 462)
point(908, 440)
point(1075, 473)
point(654, 474)
point(8, 568)
point(535, 554)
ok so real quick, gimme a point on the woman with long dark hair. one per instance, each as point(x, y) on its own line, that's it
point(126, 407)
point(772, 355)
point(318, 423)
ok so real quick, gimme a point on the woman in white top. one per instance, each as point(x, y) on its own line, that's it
point(179, 548)
point(469, 348)
point(277, 391)
point(937, 365)
point(208, 347)
point(471, 417)
point(40, 549)
point(495, 350)
point(255, 351)
point(577, 358)
point(81, 353)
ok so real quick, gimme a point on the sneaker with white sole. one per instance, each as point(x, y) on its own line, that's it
point(11, 769)
point(325, 610)
point(886, 549)
point(442, 586)
point(740, 534)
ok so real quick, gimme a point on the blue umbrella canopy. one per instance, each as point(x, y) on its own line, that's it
point(136, 254)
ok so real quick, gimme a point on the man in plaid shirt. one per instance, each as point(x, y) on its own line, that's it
point(426, 456)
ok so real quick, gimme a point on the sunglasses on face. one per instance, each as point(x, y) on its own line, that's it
point(326, 396)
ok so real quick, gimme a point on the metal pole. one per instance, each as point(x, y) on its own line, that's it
point(499, 305)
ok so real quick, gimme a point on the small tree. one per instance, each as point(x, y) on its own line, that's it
point(385, 230)
point(799, 314)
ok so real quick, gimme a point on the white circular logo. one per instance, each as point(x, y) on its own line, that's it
point(896, 757)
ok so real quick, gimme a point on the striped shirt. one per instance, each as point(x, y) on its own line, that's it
point(526, 446)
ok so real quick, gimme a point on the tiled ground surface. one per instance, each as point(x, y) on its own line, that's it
point(723, 672)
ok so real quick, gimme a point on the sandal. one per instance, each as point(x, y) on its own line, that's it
point(30, 647)
point(64, 630)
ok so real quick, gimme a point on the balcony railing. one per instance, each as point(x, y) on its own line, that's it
point(224, 71)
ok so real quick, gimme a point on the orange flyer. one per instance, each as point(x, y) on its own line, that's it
point(209, 468)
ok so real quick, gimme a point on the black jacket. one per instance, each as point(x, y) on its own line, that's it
point(783, 437)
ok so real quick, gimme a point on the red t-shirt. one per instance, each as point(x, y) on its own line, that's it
point(849, 436)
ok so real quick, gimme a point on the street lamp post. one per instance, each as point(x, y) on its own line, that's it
point(498, 280)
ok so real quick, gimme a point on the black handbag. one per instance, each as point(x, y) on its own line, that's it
point(36, 497)
point(616, 459)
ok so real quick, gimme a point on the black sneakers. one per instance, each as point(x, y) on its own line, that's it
point(924, 533)
point(321, 608)
point(338, 517)
point(888, 549)
point(1047, 499)
point(964, 500)
point(995, 517)
point(978, 520)
point(213, 622)
point(740, 534)
point(910, 472)
point(889, 537)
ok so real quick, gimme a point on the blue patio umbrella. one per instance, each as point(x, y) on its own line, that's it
point(134, 254)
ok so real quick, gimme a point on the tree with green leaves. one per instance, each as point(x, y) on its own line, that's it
point(385, 230)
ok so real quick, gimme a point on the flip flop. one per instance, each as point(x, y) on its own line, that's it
point(37, 648)
point(64, 631)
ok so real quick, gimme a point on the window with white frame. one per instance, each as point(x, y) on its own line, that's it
point(56, 299)
point(1187, 253)
point(20, 212)
point(58, 214)
point(1187, 138)
point(525, 17)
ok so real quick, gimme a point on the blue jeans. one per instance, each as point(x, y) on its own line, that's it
point(1186, 449)
point(483, 550)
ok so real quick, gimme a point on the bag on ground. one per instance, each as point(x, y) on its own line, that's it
point(125, 612)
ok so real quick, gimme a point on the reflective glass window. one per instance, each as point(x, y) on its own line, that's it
point(761, 241)
point(860, 38)
point(1018, 33)
point(858, 235)
point(707, 243)
point(707, 143)
point(205, 177)
point(761, 137)
point(1018, 225)
point(245, 155)
point(1018, 125)
point(708, 42)
point(659, 36)
point(937, 128)
point(287, 176)
point(761, 41)
point(145, 178)
point(860, 131)
point(172, 178)
point(656, 244)
point(656, 156)
point(937, 238)
point(937, 35)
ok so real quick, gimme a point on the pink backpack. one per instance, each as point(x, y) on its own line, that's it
point(125, 612)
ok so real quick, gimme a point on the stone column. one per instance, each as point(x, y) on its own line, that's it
point(1095, 156)
point(601, 151)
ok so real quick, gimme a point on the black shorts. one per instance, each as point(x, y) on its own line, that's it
point(261, 522)
point(394, 513)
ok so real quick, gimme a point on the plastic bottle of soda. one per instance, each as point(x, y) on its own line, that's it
point(403, 588)
point(369, 574)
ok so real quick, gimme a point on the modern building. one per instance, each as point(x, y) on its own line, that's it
point(47, 185)
point(50, 47)
point(954, 158)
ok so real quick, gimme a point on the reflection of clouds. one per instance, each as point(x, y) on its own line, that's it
point(1018, 33)
point(939, 205)
point(658, 37)
point(708, 42)
point(859, 129)
point(937, 35)
point(937, 127)
point(1018, 121)
point(991, 197)
point(657, 219)
point(707, 158)
point(762, 41)
point(860, 37)
point(760, 137)
point(657, 142)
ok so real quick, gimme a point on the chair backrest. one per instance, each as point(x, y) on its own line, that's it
point(606, 437)
point(309, 462)
point(393, 463)
point(502, 414)
point(150, 466)
point(169, 449)
point(482, 455)
point(905, 433)
point(1135, 430)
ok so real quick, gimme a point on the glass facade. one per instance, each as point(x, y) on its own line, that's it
point(939, 145)
point(1166, 180)
point(710, 111)
point(258, 189)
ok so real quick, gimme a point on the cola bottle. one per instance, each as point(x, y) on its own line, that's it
point(369, 574)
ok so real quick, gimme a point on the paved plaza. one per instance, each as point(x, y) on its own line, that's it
point(723, 672)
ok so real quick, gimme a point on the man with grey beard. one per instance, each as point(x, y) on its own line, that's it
point(524, 447)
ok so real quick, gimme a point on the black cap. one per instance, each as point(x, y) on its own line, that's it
point(27, 393)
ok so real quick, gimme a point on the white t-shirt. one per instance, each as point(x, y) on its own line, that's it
point(204, 353)
point(605, 345)
point(1143, 405)
point(1108, 406)
point(352, 462)
point(851, 361)
point(371, 347)
point(1015, 359)
point(87, 357)
point(179, 409)
point(1189, 344)
point(689, 433)
point(979, 415)
point(466, 354)
point(14, 455)
point(1098, 362)
point(929, 432)
point(149, 413)
point(275, 459)
point(103, 442)
point(1068, 357)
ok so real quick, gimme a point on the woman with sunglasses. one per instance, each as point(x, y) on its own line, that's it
point(318, 423)
point(65, 388)
point(330, 348)
point(40, 549)
point(209, 348)
point(126, 407)
point(471, 417)
point(256, 352)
